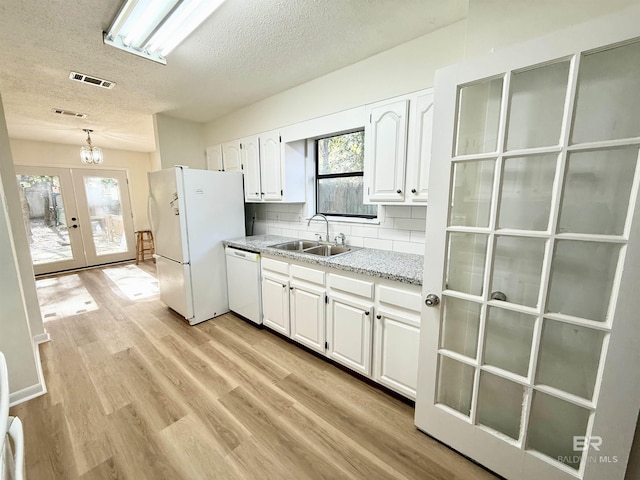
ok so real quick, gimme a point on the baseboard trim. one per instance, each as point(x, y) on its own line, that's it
point(28, 393)
point(42, 338)
point(39, 388)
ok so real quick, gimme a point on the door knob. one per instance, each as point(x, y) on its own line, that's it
point(432, 300)
point(498, 296)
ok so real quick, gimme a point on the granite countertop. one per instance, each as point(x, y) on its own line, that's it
point(401, 267)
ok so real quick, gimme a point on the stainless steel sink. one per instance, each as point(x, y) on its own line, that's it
point(296, 245)
point(321, 249)
point(327, 250)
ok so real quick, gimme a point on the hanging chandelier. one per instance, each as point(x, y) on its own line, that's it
point(90, 155)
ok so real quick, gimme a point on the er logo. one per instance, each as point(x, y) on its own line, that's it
point(581, 443)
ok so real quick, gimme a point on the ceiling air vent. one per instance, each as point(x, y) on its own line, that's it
point(98, 82)
point(68, 113)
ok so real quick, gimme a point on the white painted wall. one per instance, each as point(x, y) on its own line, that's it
point(179, 142)
point(406, 68)
point(137, 165)
point(23, 253)
point(16, 340)
point(493, 24)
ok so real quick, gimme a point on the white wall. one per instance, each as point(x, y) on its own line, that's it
point(406, 68)
point(16, 340)
point(179, 142)
point(137, 165)
point(493, 24)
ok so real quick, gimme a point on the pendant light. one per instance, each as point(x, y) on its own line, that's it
point(90, 155)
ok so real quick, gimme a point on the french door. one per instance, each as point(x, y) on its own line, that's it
point(75, 217)
point(529, 342)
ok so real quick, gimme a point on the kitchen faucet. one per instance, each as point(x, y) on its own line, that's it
point(325, 219)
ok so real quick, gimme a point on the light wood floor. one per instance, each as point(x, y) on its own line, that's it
point(133, 392)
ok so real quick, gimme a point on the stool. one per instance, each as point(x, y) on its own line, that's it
point(144, 243)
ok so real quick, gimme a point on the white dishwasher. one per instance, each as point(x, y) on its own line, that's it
point(243, 282)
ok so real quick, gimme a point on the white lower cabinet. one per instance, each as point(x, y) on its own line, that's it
point(275, 303)
point(397, 335)
point(396, 351)
point(349, 329)
point(371, 327)
point(308, 316)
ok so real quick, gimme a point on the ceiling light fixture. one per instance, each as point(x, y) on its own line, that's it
point(152, 28)
point(90, 155)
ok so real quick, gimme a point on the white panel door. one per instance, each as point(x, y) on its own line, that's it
point(349, 327)
point(275, 304)
point(386, 152)
point(308, 316)
point(251, 163)
point(108, 234)
point(214, 158)
point(75, 217)
point(419, 155)
point(533, 245)
point(271, 166)
point(397, 337)
point(231, 156)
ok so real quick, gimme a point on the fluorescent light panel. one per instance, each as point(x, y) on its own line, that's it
point(153, 28)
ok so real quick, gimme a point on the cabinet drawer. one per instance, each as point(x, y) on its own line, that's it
point(406, 298)
point(275, 265)
point(308, 274)
point(351, 285)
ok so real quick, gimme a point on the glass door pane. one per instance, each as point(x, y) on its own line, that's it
point(105, 211)
point(105, 214)
point(533, 238)
point(50, 218)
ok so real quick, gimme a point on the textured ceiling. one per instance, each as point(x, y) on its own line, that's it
point(246, 51)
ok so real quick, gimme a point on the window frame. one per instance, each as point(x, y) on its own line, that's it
point(319, 176)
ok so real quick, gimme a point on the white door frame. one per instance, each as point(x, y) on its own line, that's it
point(619, 401)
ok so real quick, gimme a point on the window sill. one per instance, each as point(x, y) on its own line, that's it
point(365, 221)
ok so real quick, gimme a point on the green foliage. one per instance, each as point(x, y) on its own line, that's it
point(341, 154)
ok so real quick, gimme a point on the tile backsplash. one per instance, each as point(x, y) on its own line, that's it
point(400, 229)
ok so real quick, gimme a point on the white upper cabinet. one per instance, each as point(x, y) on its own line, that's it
point(386, 151)
point(231, 156)
point(250, 155)
point(398, 149)
point(214, 158)
point(271, 166)
point(419, 148)
point(273, 171)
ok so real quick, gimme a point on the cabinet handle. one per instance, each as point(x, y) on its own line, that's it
point(290, 288)
point(378, 317)
point(413, 190)
point(284, 286)
point(367, 313)
point(398, 191)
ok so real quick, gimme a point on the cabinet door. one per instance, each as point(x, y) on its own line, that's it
point(419, 158)
point(395, 353)
point(231, 156)
point(214, 158)
point(250, 154)
point(275, 304)
point(307, 316)
point(271, 166)
point(349, 328)
point(386, 154)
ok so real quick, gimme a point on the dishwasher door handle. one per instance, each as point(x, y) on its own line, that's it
point(239, 254)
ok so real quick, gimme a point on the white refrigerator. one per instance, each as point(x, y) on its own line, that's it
point(191, 212)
